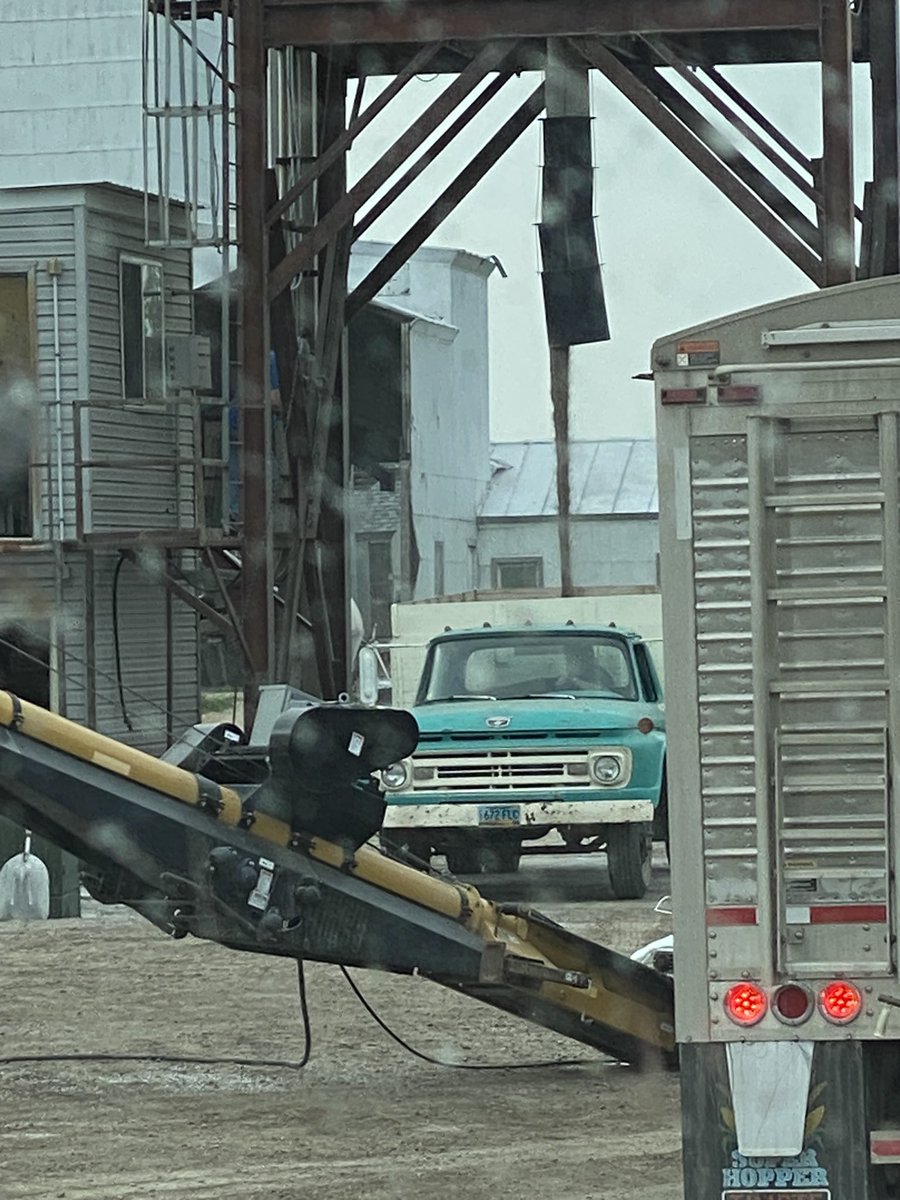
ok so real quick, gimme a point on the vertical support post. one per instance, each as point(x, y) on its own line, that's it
point(90, 637)
point(564, 196)
point(330, 601)
point(256, 499)
point(170, 656)
point(838, 244)
point(883, 219)
point(559, 396)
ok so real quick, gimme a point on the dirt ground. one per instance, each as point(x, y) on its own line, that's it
point(363, 1119)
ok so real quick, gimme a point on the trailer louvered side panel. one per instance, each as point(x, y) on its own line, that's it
point(719, 493)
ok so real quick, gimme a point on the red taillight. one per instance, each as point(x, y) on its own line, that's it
point(792, 1003)
point(840, 1001)
point(683, 395)
point(645, 725)
point(745, 1003)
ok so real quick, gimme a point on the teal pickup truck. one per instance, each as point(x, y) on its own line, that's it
point(527, 730)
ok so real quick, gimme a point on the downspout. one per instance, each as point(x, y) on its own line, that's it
point(54, 270)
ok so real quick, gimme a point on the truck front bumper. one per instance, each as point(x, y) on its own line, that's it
point(537, 813)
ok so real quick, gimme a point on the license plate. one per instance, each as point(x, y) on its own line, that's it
point(499, 814)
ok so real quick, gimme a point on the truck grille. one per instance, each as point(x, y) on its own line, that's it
point(501, 770)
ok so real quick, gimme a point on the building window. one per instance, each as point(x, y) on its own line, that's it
point(509, 574)
point(18, 403)
point(142, 298)
point(439, 585)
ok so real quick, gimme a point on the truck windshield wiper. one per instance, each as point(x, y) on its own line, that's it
point(545, 696)
point(466, 696)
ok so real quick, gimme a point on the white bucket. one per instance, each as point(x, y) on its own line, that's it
point(24, 887)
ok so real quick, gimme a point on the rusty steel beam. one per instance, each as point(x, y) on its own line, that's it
point(429, 155)
point(175, 587)
point(342, 212)
point(803, 183)
point(470, 175)
point(697, 153)
point(884, 258)
point(234, 617)
point(838, 229)
point(253, 340)
point(324, 554)
point(761, 120)
point(732, 158)
point(342, 143)
point(353, 22)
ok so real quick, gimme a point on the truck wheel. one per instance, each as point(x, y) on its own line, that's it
point(629, 850)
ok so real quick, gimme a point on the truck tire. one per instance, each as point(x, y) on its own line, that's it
point(629, 850)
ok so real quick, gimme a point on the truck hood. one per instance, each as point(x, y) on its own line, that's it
point(544, 716)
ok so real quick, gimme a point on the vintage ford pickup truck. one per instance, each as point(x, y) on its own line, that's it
point(529, 730)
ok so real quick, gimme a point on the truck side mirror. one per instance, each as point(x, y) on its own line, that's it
point(367, 673)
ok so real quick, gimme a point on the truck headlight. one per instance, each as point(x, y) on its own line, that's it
point(396, 777)
point(607, 768)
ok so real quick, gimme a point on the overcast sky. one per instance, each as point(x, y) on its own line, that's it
point(674, 251)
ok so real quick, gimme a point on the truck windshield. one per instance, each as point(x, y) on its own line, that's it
point(517, 667)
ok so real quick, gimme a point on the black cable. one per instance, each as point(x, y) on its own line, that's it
point(71, 657)
point(440, 1062)
point(187, 1059)
point(115, 618)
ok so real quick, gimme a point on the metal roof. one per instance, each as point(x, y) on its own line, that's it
point(608, 477)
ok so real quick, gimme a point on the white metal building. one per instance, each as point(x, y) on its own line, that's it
point(614, 527)
point(419, 435)
point(98, 479)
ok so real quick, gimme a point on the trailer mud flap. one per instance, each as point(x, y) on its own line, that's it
point(852, 1090)
point(769, 1092)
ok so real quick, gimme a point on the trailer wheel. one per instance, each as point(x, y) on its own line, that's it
point(629, 850)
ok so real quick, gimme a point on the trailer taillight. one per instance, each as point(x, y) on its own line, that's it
point(840, 1001)
point(745, 1003)
point(792, 1003)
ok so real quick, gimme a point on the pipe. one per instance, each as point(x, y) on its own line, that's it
point(835, 364)
point(54, 269)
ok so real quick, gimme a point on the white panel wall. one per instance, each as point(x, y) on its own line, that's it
point(606, 551)
point(70, 92)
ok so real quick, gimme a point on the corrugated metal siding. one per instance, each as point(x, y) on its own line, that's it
point(614, 476)
point(142, 646)
point(85, 229)
point(27, 591)
point(28, 239)
point(132, 496)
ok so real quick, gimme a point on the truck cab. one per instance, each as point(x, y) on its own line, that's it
point(529, 730)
